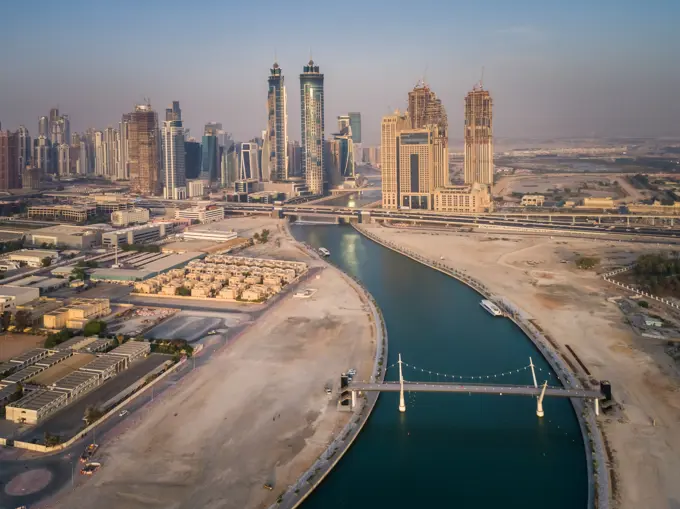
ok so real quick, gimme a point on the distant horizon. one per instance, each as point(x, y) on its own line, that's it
point(554, 71)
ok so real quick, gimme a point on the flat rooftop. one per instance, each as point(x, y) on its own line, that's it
point(27, 356)
point(74, 380)
point(38, 399)
point(172, 261)
point(131, 348)
point(63, 229)
point(24, 374)
point(53, 359)
point(7, 391)
point(97, 344)
point(64, 368)
point(7, 366)
point(102, 363)
point(75, 343)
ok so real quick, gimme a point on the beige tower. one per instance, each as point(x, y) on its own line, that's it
point(478, 137)
point(143, 151)
point(392, 125)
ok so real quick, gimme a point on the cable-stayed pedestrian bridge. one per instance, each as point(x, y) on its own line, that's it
point(470, 387)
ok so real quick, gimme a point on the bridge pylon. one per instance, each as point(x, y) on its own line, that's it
point(539, 402)
point(402, 404)
point(533, 373)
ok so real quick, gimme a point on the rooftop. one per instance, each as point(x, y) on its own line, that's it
point(38, 399)
point(63, 229)
point(27, 356)
point(24, 374)
point(131, 347)
point(102, 363)
point(62, 369)
point(74, 380)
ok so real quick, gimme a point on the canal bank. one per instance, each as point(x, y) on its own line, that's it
point(599, 492)
point(471, 451)
point(297, 493)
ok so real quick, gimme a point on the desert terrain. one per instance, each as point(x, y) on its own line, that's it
point(538, 274)
point(256, 413)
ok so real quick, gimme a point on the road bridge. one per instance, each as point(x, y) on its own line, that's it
point(535, 390)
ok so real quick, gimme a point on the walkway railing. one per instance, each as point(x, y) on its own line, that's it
point(608, 278)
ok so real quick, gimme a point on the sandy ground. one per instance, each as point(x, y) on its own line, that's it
point(256, 413)
point(571, 305)
point(12, 345)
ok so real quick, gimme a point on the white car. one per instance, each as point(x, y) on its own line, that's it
point(123, 413)
point(352, 372)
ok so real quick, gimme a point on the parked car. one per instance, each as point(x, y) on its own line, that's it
point(90, 468)
point(88, 452)
point(123, 413)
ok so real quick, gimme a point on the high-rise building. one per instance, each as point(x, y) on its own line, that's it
point(143, 151)
point(355, 124)
point(248, 161)
point(63, 160)
point(173, 112)
point(478, 137)
point(9, 161)
point(83, 167)
point(424, 108)
point(174, 159)
point(192, 164)
point(52, 119)
point(414, 163)
point(24, 153)
point(209, 154)
point(263, 159)
point(123, 170)
point(344, 124)
point(31, 177)
point(42, 154)
point(44, 127)
point(312, 127)
point(111, 144)
point(275, 160)
point(99, 154)
point(294, 159)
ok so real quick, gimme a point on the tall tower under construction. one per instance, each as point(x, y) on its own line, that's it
point(424, 108)
point(143, 151)
point(478, 136)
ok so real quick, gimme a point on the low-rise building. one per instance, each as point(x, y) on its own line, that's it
point(13, 296)
point(106, 366)
point(77, 383)
point(472, 199)
point(132, 350)
point(35, 406)
point(533, 200)
point(30, 357)
point(229, 292)
point(8, 367)
point(76, 314)
point(130, 216)
point(32, 257)
point(203, 213)
point(77, 237)
point(598, 203)
point(214, 235)
point(23, 374)
point(54, 358)
point(98, 345)
point(136, 234)
point(7, 393)
point(69, 213)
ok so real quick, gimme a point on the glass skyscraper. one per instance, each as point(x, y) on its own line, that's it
point(355, 124)
point(275, 161)
point(312, 127)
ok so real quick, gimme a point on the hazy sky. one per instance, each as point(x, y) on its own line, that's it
point(554, 68)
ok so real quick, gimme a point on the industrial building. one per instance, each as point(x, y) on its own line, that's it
point(76, 314)
point(472, 199)
point(76, 237)
point(7, 392)
point(42, 283)
point(77, 383)
point(209, 234)
point(56, 372)
point(132, 350)
point(532, 200)
point(106, 366)
point(30, 357)
point(157, 264)
point(35, 406)
point(32, 257)
point(13, 296)
point(130, 216)
point(23, 374)
point(71, 213)
point(201, 213)
point(74, 344)
point(136, 234)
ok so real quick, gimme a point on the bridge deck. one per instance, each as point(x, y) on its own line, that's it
point(516, 390)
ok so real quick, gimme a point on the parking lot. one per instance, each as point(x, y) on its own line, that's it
point(69, 420)
point(193, 325)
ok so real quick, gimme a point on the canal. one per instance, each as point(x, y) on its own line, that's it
point(449, 450)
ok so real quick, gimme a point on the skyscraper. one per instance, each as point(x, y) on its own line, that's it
point(24, 154)
point(355, 124)
point(478, 136)
point(294, 159)
point(173, 112)
point(111, 144)
point(63, 160)
point(248, 162)
point(192, 164)
point(174, 159)
point(209, 154)
point(344, 124)
point(52, 119)
point(143, 151)
point(414, 163)
point(9, 149)
point(312, 127)
point(275, 160)
point(123, 170)
point(424, 108)
point(42, 154)
point(44, 127)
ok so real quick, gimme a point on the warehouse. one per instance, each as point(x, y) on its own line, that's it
point(77, 383)
point(32, 257)
point(6, 368)
point(23, 375)
point(7, 392)
point(106, 366)
point(76, 237)
point(51, 360)
point(132, 350)
point(98, 345)
point(75, 343)
point(62, 369)
point(30, 357)
point(34, 407)
point(18, 295)
point(136, 235)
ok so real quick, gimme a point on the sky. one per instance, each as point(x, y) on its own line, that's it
point(554, 68)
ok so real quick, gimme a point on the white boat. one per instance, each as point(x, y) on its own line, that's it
point(324, 252)
point(491, 307)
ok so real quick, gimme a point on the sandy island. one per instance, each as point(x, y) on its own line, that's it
point(539, 276)
point(256, 413)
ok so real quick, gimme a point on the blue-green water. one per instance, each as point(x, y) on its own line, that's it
point(449, 450)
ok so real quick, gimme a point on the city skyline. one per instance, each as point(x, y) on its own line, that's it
point(548, 79)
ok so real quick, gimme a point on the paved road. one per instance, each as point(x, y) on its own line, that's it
point(511, 390)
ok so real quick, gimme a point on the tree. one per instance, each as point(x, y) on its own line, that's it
point(256, 237)
point(264, 236)
point(183, 291)
point(92, 414)
point(46, 262)
point(23, 319)
point(5, 320)
point(643, 304)
point(78, 273)
point(51, 440)
point(587, 262)
point(94, 328)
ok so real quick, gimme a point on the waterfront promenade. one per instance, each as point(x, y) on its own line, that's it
point(599, 487)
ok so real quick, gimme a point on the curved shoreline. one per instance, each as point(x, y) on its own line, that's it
point(599, 487)
point(317, 472)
